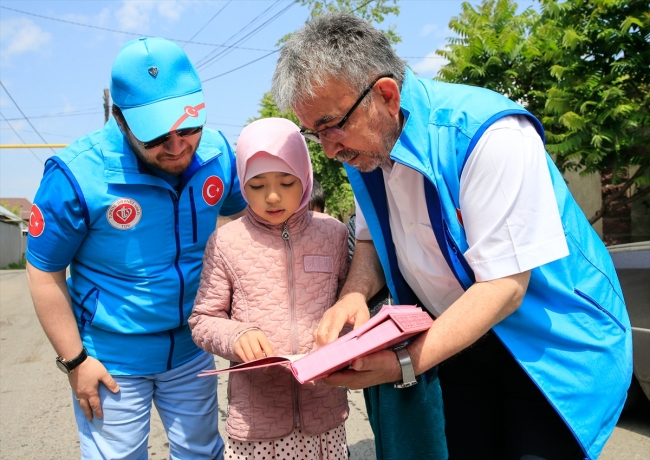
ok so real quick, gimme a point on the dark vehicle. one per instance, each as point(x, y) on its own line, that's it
point(632, 262)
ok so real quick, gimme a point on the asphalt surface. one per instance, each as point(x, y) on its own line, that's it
point(37, 422)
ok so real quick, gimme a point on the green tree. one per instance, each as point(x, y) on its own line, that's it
point(490, 48)
point(582, 68)
point(330, 173)
point(597, 111)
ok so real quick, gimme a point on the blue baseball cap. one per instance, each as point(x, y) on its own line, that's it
point(157, 88)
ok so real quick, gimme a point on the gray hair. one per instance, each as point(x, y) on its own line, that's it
point(336, 45)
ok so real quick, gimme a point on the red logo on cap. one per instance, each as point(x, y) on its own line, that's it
point(212, 190)
point(191, 111)
point(36, 222)
point(188, 111)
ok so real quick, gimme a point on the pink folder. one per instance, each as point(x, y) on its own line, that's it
point(392, 325)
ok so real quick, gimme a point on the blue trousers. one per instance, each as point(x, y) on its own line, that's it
point(187, 406)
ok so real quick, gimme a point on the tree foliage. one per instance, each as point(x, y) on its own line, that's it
point(330, 173)
point(489, 49)
point(580, 66)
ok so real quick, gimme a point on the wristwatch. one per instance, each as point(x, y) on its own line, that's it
point(68, 366)
point(408, 374)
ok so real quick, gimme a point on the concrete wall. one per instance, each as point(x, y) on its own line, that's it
point(23, 242)
point(587, 192)
point(641, 220)
point(640, 217)
point(11, 244)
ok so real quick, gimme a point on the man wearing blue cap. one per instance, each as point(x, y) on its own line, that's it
point(129, 209)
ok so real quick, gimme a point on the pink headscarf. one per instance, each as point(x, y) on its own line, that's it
point(274, 144)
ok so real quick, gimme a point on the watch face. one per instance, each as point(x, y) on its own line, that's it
point(62, 366)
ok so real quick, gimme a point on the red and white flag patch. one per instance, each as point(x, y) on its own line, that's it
point(212, 190)
point(36, 222)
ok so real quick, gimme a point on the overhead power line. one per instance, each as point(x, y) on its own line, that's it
point(241, 66)
point(16, 132)
point(24, 116)
point(206, 24)
point(250, 34)
point(77, 113)
point(122, 31)
point(212, 57)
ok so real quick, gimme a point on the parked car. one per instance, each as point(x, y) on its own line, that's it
point(632, 262)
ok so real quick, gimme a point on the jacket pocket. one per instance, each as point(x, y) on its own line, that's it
point(319, 270)
point(599, 307)
point(193, 207)
point(89, 307)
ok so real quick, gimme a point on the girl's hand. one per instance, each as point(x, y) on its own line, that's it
point(253, 345)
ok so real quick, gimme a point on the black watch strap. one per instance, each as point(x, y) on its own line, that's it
point(68, 366)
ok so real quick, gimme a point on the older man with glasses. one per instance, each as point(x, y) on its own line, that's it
point(461, 211)
point(129, 209)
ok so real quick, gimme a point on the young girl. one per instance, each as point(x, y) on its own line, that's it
point(267, 280)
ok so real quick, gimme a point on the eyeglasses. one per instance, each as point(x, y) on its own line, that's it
point(336, 133)
point(152, 144)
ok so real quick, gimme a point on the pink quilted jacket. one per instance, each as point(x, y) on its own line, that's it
point(279, 280)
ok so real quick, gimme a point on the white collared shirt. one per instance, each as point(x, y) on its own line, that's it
point(508, 208)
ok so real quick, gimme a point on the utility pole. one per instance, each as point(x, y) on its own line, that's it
point(107, 98)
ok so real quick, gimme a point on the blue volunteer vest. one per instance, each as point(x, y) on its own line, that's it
point(572, 333)
point(134, 277)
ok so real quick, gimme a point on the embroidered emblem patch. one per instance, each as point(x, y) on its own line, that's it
point(153, 71)
point(124, 213)
point(319, 264)
point(212, 190)
point(36, 222)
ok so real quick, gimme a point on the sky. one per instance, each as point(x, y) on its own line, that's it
point(56, 58)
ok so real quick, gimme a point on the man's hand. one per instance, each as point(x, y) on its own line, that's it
point(380, 367)
point(253, 345)
point(350, 309)
point(85, 380)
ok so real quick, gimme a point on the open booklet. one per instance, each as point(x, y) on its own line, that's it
point(392, 325)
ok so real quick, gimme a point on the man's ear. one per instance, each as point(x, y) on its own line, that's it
point(120, 123)
point(390, 95)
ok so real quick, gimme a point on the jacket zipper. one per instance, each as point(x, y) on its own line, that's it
point(181, 280)
point(294, 347)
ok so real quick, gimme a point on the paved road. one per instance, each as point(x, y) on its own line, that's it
point(36, 420)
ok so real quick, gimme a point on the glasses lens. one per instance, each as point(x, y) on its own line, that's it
point(311, 136)
point(152, 144)
point(333, 134)
point(189, 131)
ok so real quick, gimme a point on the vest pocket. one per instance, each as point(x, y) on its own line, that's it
point(598, 306)
point(89, 307)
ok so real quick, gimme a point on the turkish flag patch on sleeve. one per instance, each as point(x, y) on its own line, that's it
point(36, 222)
